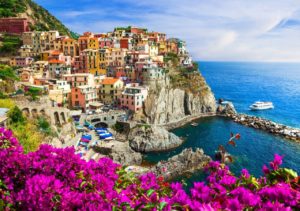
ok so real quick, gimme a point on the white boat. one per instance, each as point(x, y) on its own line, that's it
point(261, 105)
point(225, 102)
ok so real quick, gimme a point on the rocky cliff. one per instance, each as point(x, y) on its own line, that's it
point(177, 97)
point(152, 139)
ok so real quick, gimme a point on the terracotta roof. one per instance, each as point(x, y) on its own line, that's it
point(55, 52)
point(109, 81)
point(83, 37)
point(54, 61)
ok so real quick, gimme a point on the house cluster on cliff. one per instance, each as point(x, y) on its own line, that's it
point(113, 68)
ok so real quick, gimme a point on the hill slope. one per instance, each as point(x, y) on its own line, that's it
point(40, 19)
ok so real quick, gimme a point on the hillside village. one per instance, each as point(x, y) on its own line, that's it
point(111, 68)
point(95, 81)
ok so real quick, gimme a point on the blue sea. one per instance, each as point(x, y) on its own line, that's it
point(243, 84)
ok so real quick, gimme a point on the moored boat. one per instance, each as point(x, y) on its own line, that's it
point(261, 105)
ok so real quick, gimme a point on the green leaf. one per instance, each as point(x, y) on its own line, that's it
point(291, 172)
point(82, 184)
point(149, 192)
point(162, 205)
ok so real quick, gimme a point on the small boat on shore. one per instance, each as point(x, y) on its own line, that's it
point(261, 105)
point(194, 124)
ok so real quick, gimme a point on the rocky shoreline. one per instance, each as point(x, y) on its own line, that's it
point(260, 123)
point(186, 162)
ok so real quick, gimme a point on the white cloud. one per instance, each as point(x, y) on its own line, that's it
point(213, 29)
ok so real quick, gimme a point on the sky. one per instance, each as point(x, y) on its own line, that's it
point(216, 30)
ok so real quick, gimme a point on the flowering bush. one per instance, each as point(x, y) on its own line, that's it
point(57, 179)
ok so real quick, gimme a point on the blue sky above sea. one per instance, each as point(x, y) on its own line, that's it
point(232, 30)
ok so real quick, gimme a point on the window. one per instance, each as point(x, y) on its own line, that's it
point(76, 96)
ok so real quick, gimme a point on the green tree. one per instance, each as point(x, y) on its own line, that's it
point(15, 116)
point(34, 92)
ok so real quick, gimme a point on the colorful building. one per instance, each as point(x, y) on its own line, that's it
point(111, 89)
point(93, 43)
point(133, 97)
point(58, 68)
point(79, 79)
point(70, 47)
point(23, 61)
point(83, 96)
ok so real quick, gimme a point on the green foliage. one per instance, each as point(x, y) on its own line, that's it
point(7, 103)
point(127, 29)
point(28, 135)
point(15, 116)
point(45, 21)
point(44, 125)
point(173, 57)
point(118, 127)
point(3, 96)
point(10, 44)
point(34, 92)
point(10, 8)
point(7, 73)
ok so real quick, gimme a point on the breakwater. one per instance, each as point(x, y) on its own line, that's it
point(260, 123)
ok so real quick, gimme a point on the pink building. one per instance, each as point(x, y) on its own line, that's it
point(106, 43)
point(23, 61)
point(133, 97)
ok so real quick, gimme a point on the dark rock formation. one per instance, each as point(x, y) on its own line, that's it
point(188, 161)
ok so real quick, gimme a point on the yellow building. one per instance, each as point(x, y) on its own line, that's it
point(92, 61)
point(45, 55)
point(93, 43)
point(111, 89)
point(102, 62)
point(162, 47)
point(70, 47)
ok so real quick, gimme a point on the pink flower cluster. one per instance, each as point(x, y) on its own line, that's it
point(57, 179)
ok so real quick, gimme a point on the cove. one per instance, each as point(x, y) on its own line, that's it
point(253, 150)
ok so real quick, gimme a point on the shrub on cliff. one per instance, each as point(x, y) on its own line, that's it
point(57, 179)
